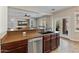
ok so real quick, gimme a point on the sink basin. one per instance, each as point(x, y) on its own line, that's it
point(19, 28)
point(46, 32)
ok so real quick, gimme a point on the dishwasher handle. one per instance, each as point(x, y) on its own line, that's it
point(35, 39)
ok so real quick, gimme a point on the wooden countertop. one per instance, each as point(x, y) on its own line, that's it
point(17, 36)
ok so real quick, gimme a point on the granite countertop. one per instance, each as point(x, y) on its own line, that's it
point(18, 35)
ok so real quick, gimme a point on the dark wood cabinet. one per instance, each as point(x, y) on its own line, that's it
point(53, 42)
point(57, 40)
point(50, 42)
point(21, 49)
point(15, 47)
point(46, 44)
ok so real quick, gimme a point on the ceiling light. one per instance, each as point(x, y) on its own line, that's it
point(53, 9)
point(27, 16)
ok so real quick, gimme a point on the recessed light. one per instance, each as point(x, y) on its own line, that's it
point(53, 9)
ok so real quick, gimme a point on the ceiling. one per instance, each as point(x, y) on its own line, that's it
point(38, 11)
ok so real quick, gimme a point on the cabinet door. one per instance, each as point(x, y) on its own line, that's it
point(15, 47)
point(46, 44)
point(57, 41)
point(21, 49)
point(53, 42)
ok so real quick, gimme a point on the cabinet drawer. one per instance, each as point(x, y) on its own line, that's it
point(23, 42)
point(46, 37)
point(13, 45)
point(22, 49)
point(52, 36)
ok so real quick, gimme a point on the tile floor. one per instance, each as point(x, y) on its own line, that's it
point(67, 46)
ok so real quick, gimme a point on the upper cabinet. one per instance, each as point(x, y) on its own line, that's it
point(32, 23)
point(45, 23)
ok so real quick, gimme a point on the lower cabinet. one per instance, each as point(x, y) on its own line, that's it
point(50, 42)
point(15, 47)
point(57, 40)
point(36, 45)
point(46, 46)
point(46, 43)
point(53, 42)
point(21, 49)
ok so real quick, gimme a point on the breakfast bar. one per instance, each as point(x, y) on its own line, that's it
point(16, 42)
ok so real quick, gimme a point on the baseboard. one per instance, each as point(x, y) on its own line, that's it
point(75, 40)
point(69, 39)
point(64, 37)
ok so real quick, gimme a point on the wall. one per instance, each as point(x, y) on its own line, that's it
point(3, 21)
point(14, 15)
point(32, 23)
point(42, 21)
point(69, 14)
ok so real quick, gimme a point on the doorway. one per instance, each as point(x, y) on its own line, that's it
point(64, 26)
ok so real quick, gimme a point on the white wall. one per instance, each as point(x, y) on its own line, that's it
point(3, 20)
point(42, 21)
point(32, 23)
point(13, 16)
point(70, 15)
point(18, 14)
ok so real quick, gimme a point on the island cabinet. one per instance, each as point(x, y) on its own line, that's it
point(53, 41)
point(15, 47)
point(57, 40)
point(50, 42)
point(46, 44)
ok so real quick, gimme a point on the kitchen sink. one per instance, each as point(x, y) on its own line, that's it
point(47, 32)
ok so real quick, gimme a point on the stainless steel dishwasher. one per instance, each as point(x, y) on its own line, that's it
point(35, 45)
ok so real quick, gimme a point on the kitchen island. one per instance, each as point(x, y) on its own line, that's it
point(14, 39)
point(13, 36)
point(16, 42)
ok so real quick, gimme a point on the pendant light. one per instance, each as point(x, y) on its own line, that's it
point(27, 16)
